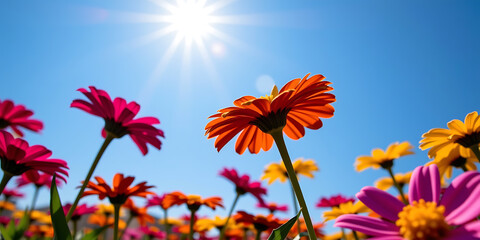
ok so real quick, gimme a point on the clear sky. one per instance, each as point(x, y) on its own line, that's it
point(398, 69)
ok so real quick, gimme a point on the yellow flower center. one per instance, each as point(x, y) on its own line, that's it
point(422, 221)
point(272, 95)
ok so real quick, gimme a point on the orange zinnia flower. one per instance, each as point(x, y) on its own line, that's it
point(300, 103)
point(121, 190)
point(194, 202)
point(139, 213)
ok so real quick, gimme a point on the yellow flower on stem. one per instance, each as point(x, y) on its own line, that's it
point(275, 171)
point(386, 182)
point(447, 159)
point(345, 208)
point(4, 205)
point(458, 135)
point(385, 160)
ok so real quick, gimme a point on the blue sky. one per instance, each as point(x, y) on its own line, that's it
point(399, 68)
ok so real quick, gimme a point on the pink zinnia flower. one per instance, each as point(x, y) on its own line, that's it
point(152, 232)
point(18, 157)
point(243, 184)
point(273, 207)
point(119, 118)
point(429, 215)
point(334, 201)
point(79, 211)
point(37, 179)
point(15, 116)
point(8, 193)
point(158, 201)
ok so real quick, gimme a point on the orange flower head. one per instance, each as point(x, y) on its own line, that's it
point(194, 202)
point(260, 222)
point(139, 213)
point(300, 103)
point(120, 191)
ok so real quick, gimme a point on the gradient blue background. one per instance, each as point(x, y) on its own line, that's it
point(399, 68)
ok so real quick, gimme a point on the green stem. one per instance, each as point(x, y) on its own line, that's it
point(224, 228)
point(6, 177)
point(129, 220)
point(116, 208)
point(344, 236)
point(476, 151)
point(400, 190)
point(104, 146)
point(192, 221)
point(464, 168)
point(245, 233)
point(295, 206)
point(282, 148)
point(167, 225)
point(74, 229)
point(257, 236)
point(34, 200)
point(355, 235)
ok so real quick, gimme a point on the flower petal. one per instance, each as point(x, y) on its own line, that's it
point(368, 225)
point(381, 202)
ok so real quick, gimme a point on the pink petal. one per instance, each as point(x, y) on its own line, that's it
point(457, 193)
point(469, 231)
point(387, 238)
point(381, 202)
point(470, 208)
point(425, 184)
point(368, 225)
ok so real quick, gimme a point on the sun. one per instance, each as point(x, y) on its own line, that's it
point(191, 20)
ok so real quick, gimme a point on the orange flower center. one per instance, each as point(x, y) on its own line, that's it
point(422, 221)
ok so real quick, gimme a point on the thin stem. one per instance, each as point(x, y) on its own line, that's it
point(74, 229)
point(476, 151)
point(257, 236)
point(344, 236)
point(464, 168)
point(282, 148)
point(224, 228)
point(167, 225)
point(355, 235)
point(35, 196)
point(295, 207)
point(400, 190)
point(245, 234)
point(129, 220)
point(6, 177)
point(116, 208)
point(104, 146)
point(192, 221)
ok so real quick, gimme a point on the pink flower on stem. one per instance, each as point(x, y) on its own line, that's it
point(430, 215)
point(119, 118)
point(243, 184)
point(15, 116)
point(334, 201)
point(152, 232)
point(18, 157)
point(37, 179)
point(272, 207)
point(80, 210)
point(9, 193)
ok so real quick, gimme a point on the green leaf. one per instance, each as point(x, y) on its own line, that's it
point(22, 226)
point(4, 234)
point(95, 233)
point(59, 222)
point(281, 232)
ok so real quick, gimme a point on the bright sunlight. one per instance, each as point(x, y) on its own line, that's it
point(190, 20)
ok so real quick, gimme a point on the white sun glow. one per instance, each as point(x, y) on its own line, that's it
point(190, 20)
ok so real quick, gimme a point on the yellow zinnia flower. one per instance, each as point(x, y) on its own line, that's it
point(4, 205)
point(446, 160)
point(458, 135)
point(278, 171)
point(35, 216)
point(217, 222)
point(387, 182)
point(171, 221)
point(345, 208)
point(382, 158)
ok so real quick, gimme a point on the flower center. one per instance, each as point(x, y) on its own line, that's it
point(422, 221)
point(116, 129)
point(272, 95)
point(4, 123)
point(469, 140)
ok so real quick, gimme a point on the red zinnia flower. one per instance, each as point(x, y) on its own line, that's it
point(260, 222)
point(79, 211)
point(273, 207)
point(334, 201)
point(8, 193)
point(120, 191)
point(119, 118)
point(300, 103)
point(243, 184)
point(39, 180)
point(152, 232)
point(17, 116)
point(18, 157)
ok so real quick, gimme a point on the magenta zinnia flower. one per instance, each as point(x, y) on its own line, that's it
point(272, 207)
point(37, 179)
point(119, 118)
point(429, 215)
point(18, 157)
point(243, 184)
point(334, 201)
point(79, 211)
point(15, 116)
point(9, 193)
